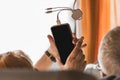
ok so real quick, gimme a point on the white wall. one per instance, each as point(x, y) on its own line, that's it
point(24, 25)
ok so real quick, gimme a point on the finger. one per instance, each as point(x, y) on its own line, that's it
point(83, 65)
point(74, 38)
point(79, 56)
point(74, 41)
point(73, 54)
point(73, 35)
point(77, 49)
point(79, 43)
point(83, 45)
point(82, 59)
point(76, 55)
point(51, 40)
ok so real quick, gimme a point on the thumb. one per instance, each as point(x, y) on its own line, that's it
point(51, 40)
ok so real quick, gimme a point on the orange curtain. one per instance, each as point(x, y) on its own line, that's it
point(94, 24)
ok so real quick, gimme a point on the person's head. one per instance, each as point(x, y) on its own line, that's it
point(15, 59)
point(109, 53)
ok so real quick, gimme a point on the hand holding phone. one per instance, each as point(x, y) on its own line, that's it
point(63, 39)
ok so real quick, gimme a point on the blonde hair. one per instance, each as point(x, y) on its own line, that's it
point(15, 59)
point(109, 52)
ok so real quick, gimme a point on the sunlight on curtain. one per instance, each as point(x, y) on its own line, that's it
point(115, 13)
point(118, 12)
point(25, 26)
point(112, 13)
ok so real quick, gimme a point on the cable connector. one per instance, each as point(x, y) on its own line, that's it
point(48, 11)
point(58, 22)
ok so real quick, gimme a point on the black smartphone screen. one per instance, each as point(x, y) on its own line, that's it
point(63, 38)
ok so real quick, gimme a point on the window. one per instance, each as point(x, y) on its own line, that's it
point(25, 26)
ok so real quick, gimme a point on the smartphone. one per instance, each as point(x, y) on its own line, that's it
point(63, 39)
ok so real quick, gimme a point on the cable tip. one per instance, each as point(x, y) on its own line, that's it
point(48, 12)
point(48, 8)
